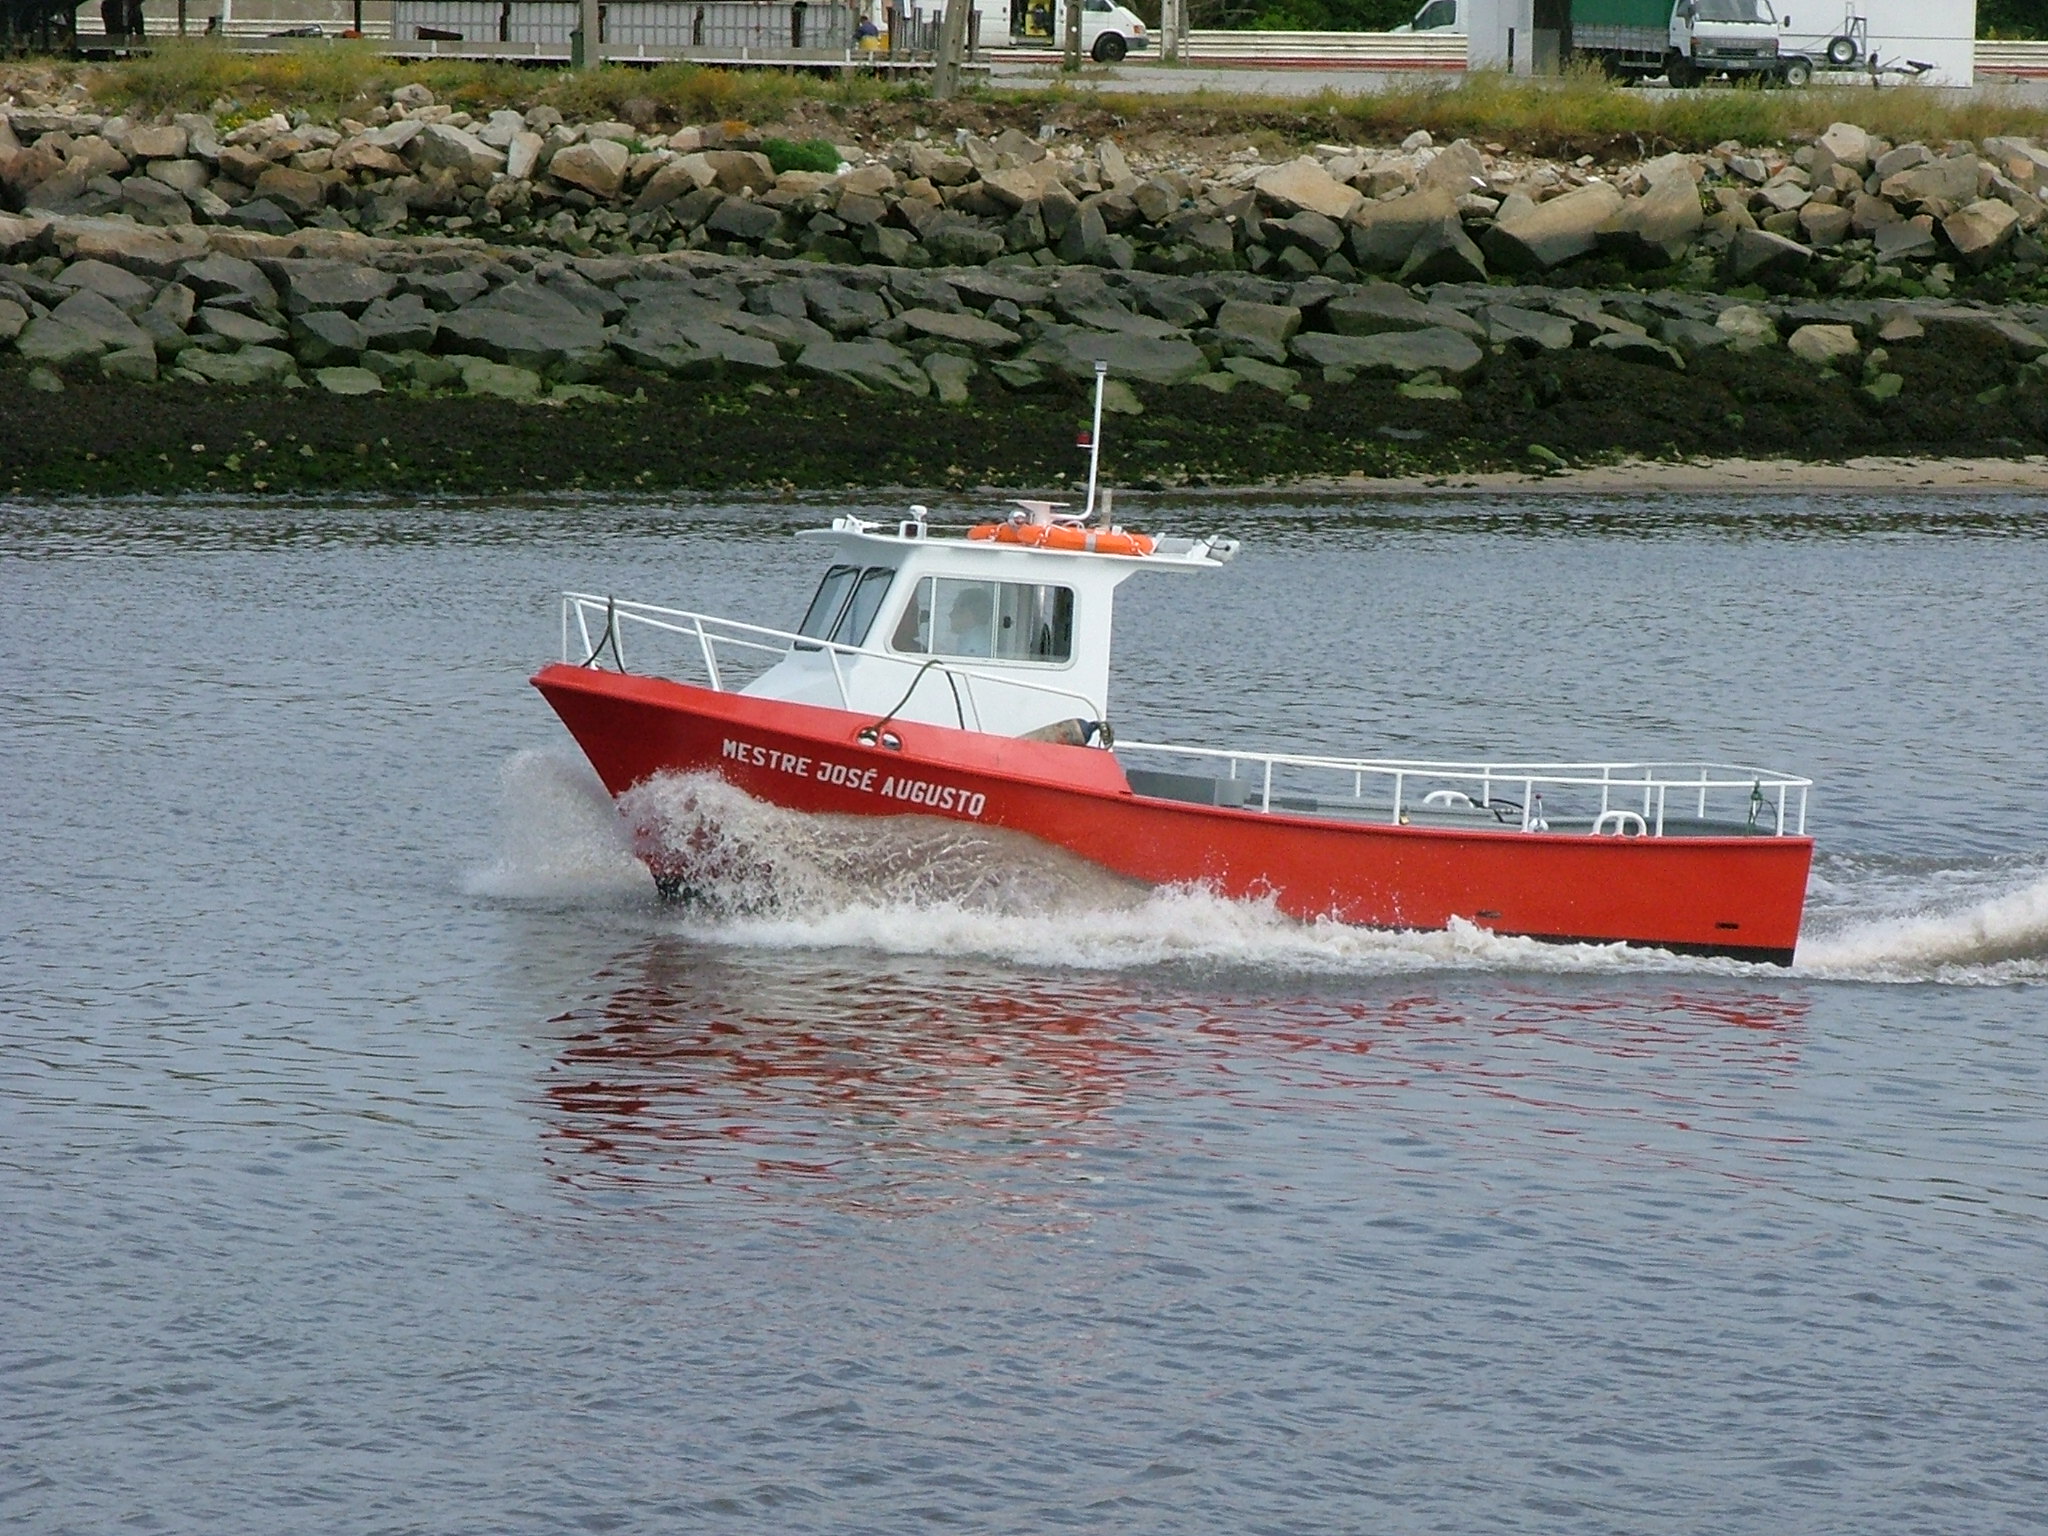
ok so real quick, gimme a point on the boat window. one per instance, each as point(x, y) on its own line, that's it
point(1000, 620)
point(852, 628)
point(825, 606)
point(845, 604)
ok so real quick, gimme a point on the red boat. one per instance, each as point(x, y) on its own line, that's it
point(968, 678)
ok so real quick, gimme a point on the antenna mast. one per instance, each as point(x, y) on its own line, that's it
point(1095, 438)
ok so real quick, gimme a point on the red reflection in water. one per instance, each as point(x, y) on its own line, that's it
point(892, 1090)
point(871, 1083)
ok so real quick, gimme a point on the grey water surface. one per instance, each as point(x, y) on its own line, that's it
point(377, 1154)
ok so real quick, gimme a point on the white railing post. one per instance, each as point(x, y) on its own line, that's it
point(1266, 796)
point(1398, 777)
point(710, 658)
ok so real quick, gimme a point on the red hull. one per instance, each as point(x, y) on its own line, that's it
point(1737, 896)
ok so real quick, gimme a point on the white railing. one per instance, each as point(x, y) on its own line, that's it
point(1619, 799)
point(2015, 58)
point(759, 643)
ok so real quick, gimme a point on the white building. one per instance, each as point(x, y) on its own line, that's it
point(1524, 35)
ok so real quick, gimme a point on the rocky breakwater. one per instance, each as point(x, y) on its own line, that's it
point(1341, 312)
point(1846, 212)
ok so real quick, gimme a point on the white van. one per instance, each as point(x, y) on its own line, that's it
point(1435, 16)
point(1108, 31)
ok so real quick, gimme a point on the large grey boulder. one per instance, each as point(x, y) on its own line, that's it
point(400, 323)
point(873, 365)
point(522, 324)
point(53, 342)
point(1550, 234)
point(99, 316)
point(1383, 235)
point(738, 219)
point(261, 215)
point(1952, 181)
point(598, 166)
point(1444, 253)
point(247, 368)
point(1907, 240)
point(959, 243)
point(969, 329)
point(296, 192)
point(12, 318)
point(223, 279)
point(345, 286)
point(695, 349)
point(1257, 330)
point(1526, 330)
point(232, 325)
point(122, 288)
point(1392, 354)
point(148, 201)
point(1825, 345)
point(843, 310)
point(327, 336)
point(1074, 350)
point(1981, 231)
point(1304, 184)
point(1847, 145)
point(1456, 169)
point(1655, 229)
point(182, 176)
point(443, 148)
point(446, 290)
point(1373, 308)
point(1755, 253)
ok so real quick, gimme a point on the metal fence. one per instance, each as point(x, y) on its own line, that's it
point(730, 26)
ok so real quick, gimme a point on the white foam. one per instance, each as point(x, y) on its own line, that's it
point(1937, 933)
point(764, 877)
point(559, 835)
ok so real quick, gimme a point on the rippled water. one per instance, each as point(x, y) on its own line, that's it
point(376, 1153)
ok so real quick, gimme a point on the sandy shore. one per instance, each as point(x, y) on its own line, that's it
point(1766, 476)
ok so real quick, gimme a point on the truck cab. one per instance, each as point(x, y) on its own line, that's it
point(1731, 37)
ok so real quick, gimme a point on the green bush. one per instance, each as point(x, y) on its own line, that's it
point(810, 155)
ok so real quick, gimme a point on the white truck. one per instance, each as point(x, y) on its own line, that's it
point(1688, 42)
point(1109, 31)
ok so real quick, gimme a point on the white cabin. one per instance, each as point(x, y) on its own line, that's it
point(971, 633)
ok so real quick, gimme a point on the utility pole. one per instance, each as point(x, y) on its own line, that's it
point(952, 43)
point(584, 50)
point(1173, 22)
point(1070, 58)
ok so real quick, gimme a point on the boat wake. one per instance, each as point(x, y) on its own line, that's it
point(760, 876)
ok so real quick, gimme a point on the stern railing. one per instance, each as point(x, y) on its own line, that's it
point(1611, 798)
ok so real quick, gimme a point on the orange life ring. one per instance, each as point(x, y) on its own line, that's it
point(1110, 541)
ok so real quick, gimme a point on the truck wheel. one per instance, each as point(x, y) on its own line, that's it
point(1798, 72)
point(1682, 73)
point(1109, 48)
point(1842, 51)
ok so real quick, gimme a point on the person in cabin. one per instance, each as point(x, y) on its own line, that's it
point(967, 630)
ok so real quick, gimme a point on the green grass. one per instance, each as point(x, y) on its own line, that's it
point(1579, 113)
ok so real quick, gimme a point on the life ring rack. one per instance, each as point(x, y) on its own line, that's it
point(1093, 541)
